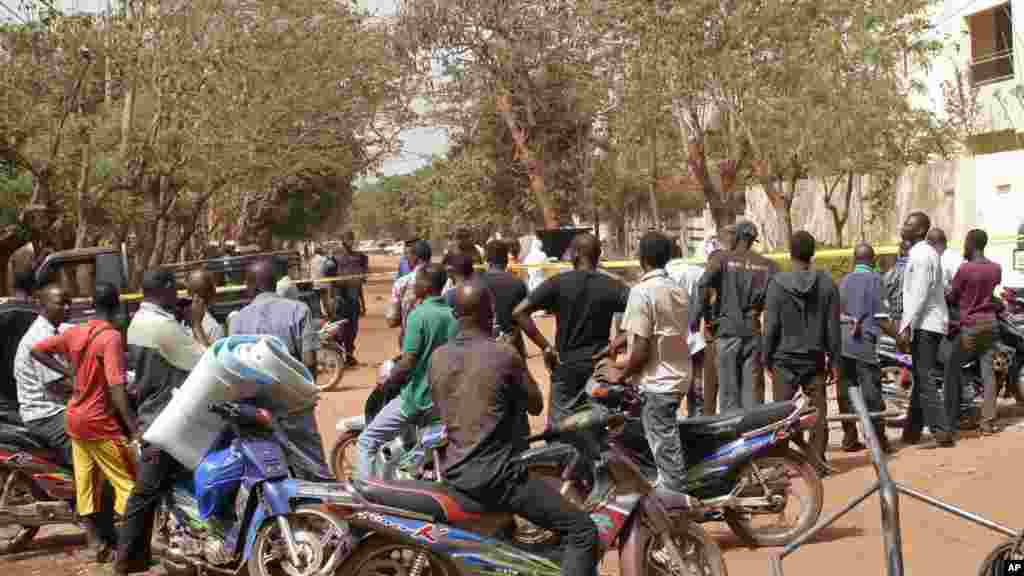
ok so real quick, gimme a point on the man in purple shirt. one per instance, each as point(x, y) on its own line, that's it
point(975, 333)
point(860, 296)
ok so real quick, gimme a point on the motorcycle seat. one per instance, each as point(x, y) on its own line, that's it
point(442, 503)
point(21, 437)
point(736, 422)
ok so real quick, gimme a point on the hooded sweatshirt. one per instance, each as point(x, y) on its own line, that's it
point(801, 317)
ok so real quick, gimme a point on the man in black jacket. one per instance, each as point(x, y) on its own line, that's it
point(739, 277)
point(802, 332)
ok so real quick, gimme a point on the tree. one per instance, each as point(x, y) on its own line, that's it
point(529, 62)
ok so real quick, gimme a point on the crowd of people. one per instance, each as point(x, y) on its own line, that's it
point(713, 334)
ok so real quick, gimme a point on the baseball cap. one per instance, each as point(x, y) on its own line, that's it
point(746, 231)
point(157, 280)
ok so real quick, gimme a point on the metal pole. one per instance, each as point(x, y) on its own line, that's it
point(994, 526)
point(887, 491)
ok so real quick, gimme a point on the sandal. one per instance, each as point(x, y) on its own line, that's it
point(989, 429)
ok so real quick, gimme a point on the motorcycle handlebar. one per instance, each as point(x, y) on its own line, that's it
point(578, 423)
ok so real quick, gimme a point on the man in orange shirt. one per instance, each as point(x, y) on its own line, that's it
point(99, 418)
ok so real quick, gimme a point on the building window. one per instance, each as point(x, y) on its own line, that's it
point(991, 45)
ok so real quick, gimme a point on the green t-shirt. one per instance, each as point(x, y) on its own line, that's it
point(429, 326)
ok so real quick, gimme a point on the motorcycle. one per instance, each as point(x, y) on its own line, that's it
point(243, 509)
point(740, 467)
point(35, 491)
point(896, 388)
point(429, 529)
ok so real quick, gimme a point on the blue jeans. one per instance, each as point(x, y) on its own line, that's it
point(387, 425)
point(662, 430)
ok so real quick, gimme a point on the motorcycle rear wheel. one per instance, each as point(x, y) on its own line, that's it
point(343, 456)
point(701, 555)
point(15, 537)
point(382, 556)
point(740, 522)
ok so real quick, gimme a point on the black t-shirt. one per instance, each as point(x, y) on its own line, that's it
point(479, 392)
point(508, 291)
point(15, 320)
point(583, 304)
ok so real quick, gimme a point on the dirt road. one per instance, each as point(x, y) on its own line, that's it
point(980, 475)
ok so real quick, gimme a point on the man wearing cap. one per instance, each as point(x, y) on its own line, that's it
point(162, 352)
point(345, 298)
point(740, 278)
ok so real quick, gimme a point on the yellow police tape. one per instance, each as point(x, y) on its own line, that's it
point(837, 260)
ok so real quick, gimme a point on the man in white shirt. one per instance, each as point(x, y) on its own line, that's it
point(923, 327)
point(950, 259)
point(655, 327)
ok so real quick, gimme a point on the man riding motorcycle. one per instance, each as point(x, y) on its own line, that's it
point(482, 394)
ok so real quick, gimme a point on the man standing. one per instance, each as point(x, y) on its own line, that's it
point(316, 263)
point(740, 279)
point(16, 317)
point(705, 314)
point(975, 335)
point(291, 321)
point(583, 301)
point(802, 332)
point(922, 327)
point(403, 297)
point(429, 326)
point(860, 296)
point(482, 393)
point(893, 281)
point(950, 259)
point(43, 417)
point(346, 299)
point(162, 353)
point(205, 328)
point(99, 417)
point(655, 327)
point(508, 291)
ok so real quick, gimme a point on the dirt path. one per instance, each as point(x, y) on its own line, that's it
point(980, 475)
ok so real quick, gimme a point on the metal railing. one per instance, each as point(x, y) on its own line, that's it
point(889, 492)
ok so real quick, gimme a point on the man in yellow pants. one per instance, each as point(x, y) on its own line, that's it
point(100, 420)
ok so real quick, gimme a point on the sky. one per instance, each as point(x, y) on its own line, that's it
point(418, 145)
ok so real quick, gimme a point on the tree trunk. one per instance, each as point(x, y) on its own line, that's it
point(726, 202)
point(82, 226)
point(534, 166)
point(840, 214)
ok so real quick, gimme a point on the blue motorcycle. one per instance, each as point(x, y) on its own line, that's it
point(243, 509)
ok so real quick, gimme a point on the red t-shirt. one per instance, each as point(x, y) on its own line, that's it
point(91, 414)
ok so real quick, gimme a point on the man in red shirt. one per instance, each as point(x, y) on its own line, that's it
point(974, 335)
point(99, 419)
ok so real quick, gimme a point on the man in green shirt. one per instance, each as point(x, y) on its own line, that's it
point(429, 326)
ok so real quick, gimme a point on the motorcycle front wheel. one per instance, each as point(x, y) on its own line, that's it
point(783, 475)
point(994, 563)
point(382, 556)
point(321, 541)
point(701, 555)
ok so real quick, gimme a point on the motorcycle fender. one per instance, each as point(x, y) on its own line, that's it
point(275, 501)
point(553, 454)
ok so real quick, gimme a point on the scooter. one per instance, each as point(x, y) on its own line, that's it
point(242, 509)
point(429, 529)
point(740, 466)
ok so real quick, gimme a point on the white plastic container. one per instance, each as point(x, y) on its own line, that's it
point(233, 369)
point(292, 385)
point(186, 429)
